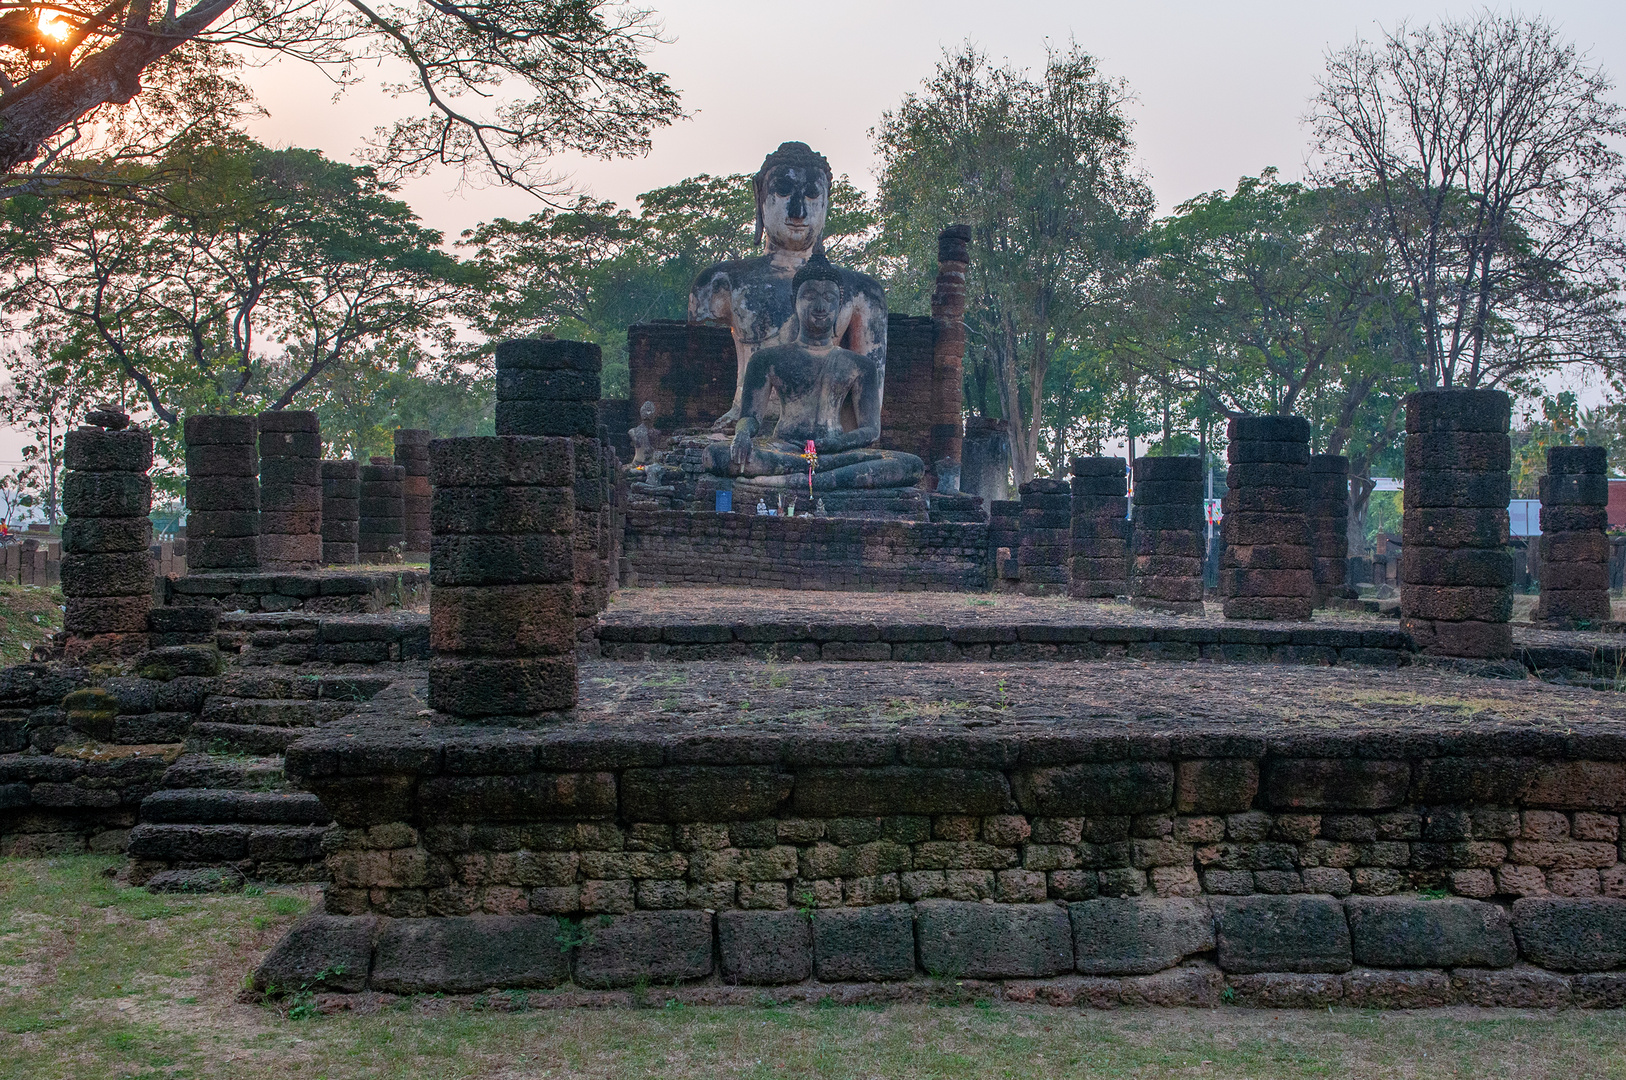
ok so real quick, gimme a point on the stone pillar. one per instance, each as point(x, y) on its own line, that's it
point(1004, 537)
point(1167, 572)
point(222, 493)
point(548, 388)
point(551, 388)
point(1574, 546)
point(1046, 540)
point(1265, 571)
point(1100, 551)
point(1329, 525)
point(1456, 572)
point(948, 351)
point(383, 512)
point(412, 454)
point(341, 512)
point(985, 459)
point(503, 598)
point(107, 571)
point(290, 490)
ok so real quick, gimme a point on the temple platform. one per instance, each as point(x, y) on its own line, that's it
point(353, 589)
point(1094, 834)
point(718, 623)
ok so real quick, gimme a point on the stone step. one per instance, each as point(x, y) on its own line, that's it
point(226, 843)
point(203, 806)
point(269, 713)
point(222, 773)
point(252, 739)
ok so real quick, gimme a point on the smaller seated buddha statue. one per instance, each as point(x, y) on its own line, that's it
point(816, 381)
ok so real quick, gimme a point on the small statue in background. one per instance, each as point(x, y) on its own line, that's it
point(644, 435)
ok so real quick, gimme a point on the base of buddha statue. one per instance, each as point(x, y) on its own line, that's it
point(887, 504)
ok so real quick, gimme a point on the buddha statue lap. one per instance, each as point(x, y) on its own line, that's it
point(817, 383)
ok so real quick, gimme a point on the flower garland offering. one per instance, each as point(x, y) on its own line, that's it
point(811, 454)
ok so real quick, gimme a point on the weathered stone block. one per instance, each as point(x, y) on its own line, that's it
point(1282, 933)
point(765, 948)
point(1367, 989)
point(703, 793)
point(1336, 783)
point(320, 952)
point(1215, 785)
point(864, 944)
point(1138, 936)
point(1096, 788)
point(466, 954)
point(528, 796)
point(1583, 934)
point(1510, 988)
point(657, 946)
point(1397, 932)
point(994, 941)
point(900, 789)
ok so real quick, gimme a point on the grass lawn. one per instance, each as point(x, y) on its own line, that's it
point(100, 981)
point(27, 615)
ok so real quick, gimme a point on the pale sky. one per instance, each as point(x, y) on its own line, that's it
point(1221, 88)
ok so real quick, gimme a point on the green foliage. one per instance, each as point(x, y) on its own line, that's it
point(1041, 169)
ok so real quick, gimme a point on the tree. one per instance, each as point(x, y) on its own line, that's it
point(1489, 143)
point(241, 254)
point(1041, 170)
point(504, 84)
point(46, 395)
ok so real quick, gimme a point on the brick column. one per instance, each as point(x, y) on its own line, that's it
point(1456, 572)
point(1167, 572)
point(1046, 538)
point(551, 388)
point(1004, 534)
point(1574, 547)
point(290, 490)
point(502, 602)
point(1265, 571)
point(1100, 561)
point(222, 493)
point(341, 512)
point(107, 571)
point(548, 388)
point(383, 511)
point(412, 454)
point(1329, 525)
point(948, 350)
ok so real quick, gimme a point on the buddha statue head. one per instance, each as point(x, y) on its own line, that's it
point(793, 197)
point(818, 289)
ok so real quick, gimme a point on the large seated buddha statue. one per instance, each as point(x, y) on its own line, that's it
point(753, 297)
point(817, 384)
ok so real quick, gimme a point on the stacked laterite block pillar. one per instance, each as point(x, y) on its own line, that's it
point(1329, 525)
point(551, 388)
point(1265, 571)
point(290, 491)
point(107, 572)
point(503, 599)
point(1004, 536)
point(382, 535)
point(1046, 538)
point(1456, 572)
point(341, 512)
point(1100, 566)
point(222, 493)
point(948, 350)
point(412, 454)
point(548, 388)
point(1574, 547)
point(1168, 544)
